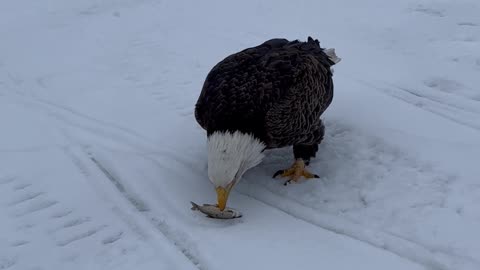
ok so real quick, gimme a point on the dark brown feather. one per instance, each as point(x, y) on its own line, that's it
point(276, 91)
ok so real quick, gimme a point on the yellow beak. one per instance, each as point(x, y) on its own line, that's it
point(222, 195)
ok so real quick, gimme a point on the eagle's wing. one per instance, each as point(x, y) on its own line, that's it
point(294, 118)
point(239, 89)
point(276, 90)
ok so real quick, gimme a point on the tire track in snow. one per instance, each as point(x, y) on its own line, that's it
point(112, 239)
point(36, 207)
point(85, 171)
point(446, 109)
point(93, 119)
point(408, 250)
point(70, 224)
point(21, 186)
point(436, 184)
point(136, 202)
point(124, 136)
point(19, 243)
point(6, 180)
point(101, 129)
point(23, 203)
point(439, 108)
point(25, 198)
point(94, 169)
point(91, 125)
point(80, 236)
point(60, 214)
point(180, 241)
point(69, 231)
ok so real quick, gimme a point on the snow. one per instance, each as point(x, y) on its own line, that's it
point(100, 154)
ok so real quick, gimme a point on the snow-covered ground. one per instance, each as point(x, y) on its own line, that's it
point(100, 154)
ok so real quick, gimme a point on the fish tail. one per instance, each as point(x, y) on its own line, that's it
point(194, 206)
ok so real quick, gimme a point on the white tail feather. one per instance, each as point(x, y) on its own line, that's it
point(332, 55)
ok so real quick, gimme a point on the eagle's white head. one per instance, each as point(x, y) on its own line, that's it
point(230, 155)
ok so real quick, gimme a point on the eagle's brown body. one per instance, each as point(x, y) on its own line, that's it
point(276, 91)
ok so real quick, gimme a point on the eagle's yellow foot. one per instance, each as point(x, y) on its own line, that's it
point(295, 172)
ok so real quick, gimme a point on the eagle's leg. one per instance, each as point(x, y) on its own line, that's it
point(303, 153)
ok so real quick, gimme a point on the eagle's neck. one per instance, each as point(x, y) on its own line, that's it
point(231, 154)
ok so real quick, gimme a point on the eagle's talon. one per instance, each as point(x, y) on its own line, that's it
point(279, 172)
point(295, 172)
point(309, 175)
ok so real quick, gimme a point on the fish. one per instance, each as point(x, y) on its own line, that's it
point(213, 211)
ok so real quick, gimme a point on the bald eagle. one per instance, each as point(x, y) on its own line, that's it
point(265, 97)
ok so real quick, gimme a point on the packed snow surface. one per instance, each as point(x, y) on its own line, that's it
point(100, 154)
